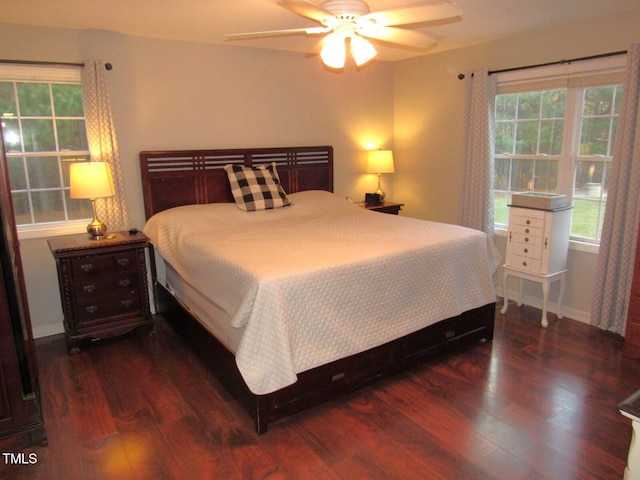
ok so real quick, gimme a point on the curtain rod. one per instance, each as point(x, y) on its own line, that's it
point(107, 66)
point(559, 62)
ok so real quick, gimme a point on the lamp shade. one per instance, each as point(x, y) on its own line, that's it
point(91, 180)
point(334, 52)
point(362, 50)
point(380, 161)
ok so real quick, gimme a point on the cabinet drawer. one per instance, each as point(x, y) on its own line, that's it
point(527, 217)
point(535, 242)
point(525, 263)
point(525, 250)
point(528, 230)
point(95, 265)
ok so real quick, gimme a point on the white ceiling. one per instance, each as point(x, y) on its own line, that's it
point(209, 20)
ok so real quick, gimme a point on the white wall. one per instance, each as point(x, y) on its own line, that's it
point(177, 95)
point(429, 127)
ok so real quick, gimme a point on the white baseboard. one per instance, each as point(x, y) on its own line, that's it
point(579, 315)
point(48, 330)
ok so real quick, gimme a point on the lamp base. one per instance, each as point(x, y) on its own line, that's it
point(97, 230)
point(379, 191)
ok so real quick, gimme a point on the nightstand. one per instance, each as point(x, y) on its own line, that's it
point(385, 207)
point(103, 285)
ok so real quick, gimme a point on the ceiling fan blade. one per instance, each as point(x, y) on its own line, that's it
point(307, 9)
point(410, 38)
point(415, 13)
point(274, 33)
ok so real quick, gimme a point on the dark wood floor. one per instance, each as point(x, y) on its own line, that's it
point(534, 403)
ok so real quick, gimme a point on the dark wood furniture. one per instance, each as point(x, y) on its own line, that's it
point(392, 208)
point(21, 422)
point(174, 178)
point(103, 284)
point(632, 332)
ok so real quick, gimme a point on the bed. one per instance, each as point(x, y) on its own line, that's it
point(292, 306)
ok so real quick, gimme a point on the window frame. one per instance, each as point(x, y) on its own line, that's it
point(574, 77)
point(49, 75)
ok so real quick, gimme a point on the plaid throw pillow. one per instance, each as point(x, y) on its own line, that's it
point(256, 188)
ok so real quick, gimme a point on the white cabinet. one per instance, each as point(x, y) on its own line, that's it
point(537, 247)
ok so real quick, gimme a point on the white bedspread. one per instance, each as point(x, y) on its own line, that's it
point(323, 278)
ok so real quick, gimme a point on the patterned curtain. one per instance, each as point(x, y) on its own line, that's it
point(103, 144)
point(476, 202)
point(620, 228)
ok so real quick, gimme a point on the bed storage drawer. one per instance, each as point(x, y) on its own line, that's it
point(361, 369)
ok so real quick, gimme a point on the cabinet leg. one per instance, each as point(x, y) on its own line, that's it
point(545, 298)
point(560, 295)
point(505, 293)
point(72, 346)
point(520, 290)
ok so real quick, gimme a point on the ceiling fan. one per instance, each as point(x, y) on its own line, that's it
point(352, 19)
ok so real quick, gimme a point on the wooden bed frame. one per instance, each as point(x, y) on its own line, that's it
point(174, 178)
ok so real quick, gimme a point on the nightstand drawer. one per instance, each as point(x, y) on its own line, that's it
point(89, 287)
point(100, 265)
point(105, 308)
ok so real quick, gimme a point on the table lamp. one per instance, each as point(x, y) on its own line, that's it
point(92, 180)
point(380, 161)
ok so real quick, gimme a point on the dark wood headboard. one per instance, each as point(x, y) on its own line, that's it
point(186, 177)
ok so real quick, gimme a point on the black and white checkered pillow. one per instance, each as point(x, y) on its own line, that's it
point(256, 188)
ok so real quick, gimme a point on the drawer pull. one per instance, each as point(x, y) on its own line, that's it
point(91, 309)
point(526, 239)
point(526, 250)
point(122, 262)
point(524, 264)
point(124, 283)
point(126, 303)
point(528, 222)
point(86, 267)
point(89, 288)
point(526, 230)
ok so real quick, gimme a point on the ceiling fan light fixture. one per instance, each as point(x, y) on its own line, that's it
point(346, 8)
point(353, 20)
point(362, 50)
point(334, 52)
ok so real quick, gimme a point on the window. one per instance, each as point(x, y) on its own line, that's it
point(557, 139)
point(44, 131)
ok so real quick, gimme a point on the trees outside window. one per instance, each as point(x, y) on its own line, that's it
point(557, 141)
point(44, 131)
